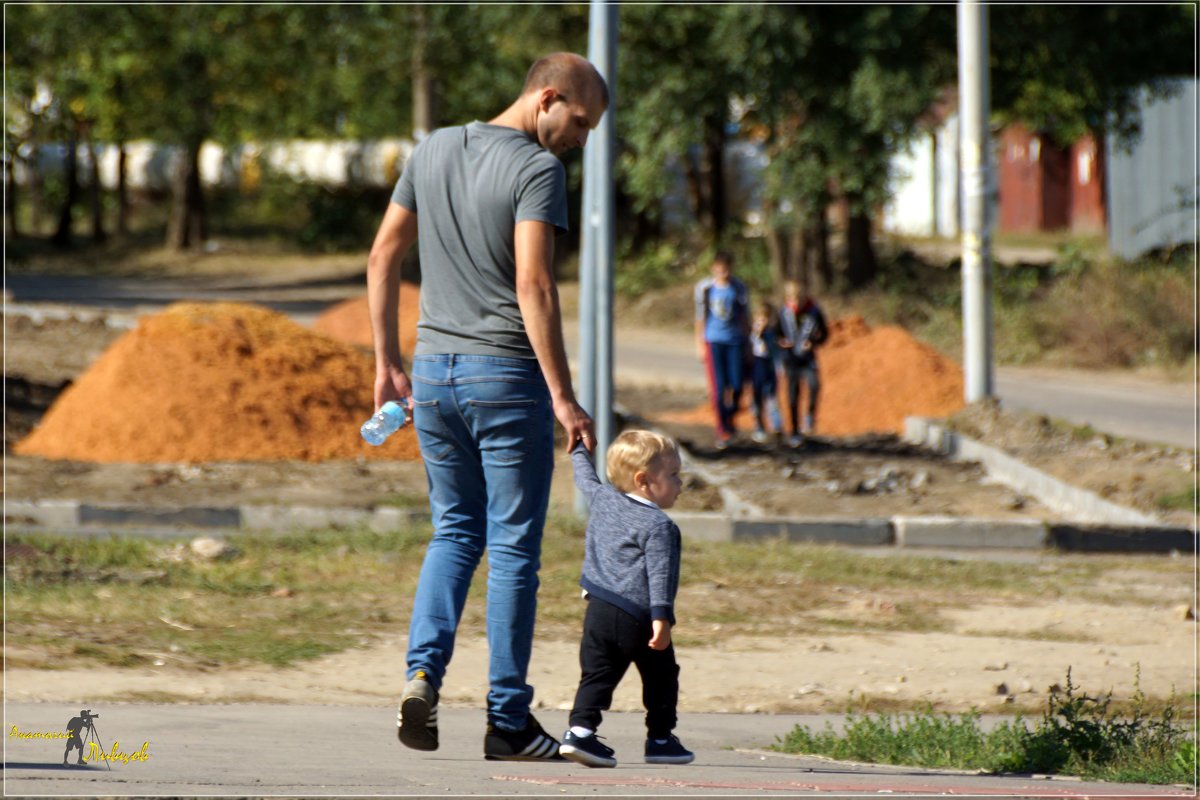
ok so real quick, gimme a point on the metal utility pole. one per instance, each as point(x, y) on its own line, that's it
point(598, 223)
point(975, 165)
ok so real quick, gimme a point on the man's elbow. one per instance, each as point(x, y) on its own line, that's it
point(535, 289)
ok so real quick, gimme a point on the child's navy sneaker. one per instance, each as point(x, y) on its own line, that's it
point(671, 751)
point(587, 750)
point(530, 744)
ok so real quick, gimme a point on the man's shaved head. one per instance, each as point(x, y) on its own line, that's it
point(570, 74)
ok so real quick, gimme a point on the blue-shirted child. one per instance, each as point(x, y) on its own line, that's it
point(630, 577)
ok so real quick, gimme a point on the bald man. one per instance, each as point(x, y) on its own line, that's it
point(489, 377)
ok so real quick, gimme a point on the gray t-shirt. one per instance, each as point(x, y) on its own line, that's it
point(469, 185)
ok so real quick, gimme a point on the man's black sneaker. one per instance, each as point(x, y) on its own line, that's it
point(417, 717)
point(671, 751)
point(587, 750)
point(530, 744)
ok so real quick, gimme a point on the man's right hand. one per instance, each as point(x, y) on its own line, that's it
point(391, 383)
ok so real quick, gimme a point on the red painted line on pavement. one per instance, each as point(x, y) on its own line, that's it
point(875, 787)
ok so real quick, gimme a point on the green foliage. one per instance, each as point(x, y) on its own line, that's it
point(1068, 70)
point(1112, 325)
point(308, 216)
point(653, 268)
point(1078, 734)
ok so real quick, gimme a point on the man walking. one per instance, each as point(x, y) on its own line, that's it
point(489, 377)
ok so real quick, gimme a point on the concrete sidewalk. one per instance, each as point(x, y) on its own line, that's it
point(323, 751)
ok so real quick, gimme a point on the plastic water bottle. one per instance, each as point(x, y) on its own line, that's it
point(387, 420)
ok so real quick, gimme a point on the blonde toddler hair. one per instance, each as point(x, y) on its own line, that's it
point(632, 452)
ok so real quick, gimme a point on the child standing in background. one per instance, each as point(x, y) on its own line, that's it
point(765, 356)
point(630, 576)
point(801, 330)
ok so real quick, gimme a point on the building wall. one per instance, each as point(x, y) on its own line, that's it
point(912, 210)
point(1086, 211)
point(1020, 180)
point(1151, 190)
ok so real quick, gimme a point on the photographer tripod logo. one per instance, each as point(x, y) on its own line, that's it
point(82, 736)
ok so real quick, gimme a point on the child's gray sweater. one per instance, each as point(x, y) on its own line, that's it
point(632, 550)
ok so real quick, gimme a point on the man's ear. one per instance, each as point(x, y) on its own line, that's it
point(546, 98)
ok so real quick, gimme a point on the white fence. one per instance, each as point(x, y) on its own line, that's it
point(149, 165)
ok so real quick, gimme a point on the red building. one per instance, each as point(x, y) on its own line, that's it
point(1044, 187)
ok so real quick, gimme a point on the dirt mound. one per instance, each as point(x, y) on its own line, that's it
point(217, 382)
point(350, 321)
point(871, 379)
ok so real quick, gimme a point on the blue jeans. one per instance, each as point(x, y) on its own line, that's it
point(725, 372)
point(486, 431)
point(762, 375)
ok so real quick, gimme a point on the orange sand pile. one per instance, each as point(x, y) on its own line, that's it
point(871, 379)
point(217, 382)
point(350, 321)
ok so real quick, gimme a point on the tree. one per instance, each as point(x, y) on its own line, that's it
point(677, 77)
point(1067, 70)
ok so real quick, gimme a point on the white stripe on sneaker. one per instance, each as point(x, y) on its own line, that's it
point(541, 747)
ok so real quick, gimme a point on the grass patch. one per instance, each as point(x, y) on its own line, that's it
point(290, 597)
point(1078, 734)
point(1179, 501)
point(1045, 634)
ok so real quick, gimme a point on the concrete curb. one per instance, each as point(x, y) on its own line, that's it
point(1055, 494)
point(61, 516)
point(72, 518)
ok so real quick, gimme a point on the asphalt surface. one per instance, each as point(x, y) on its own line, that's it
point(1117, 404)
point(323, 751)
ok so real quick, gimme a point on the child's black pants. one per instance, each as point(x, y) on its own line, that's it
point(612, 640)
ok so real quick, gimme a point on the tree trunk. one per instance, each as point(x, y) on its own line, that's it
point(861, 266)
point(713, 169)
point(122, 192)
point(820, 273)
point(95, 196)
point(695, 188)
point(10, 195)
point(776, 249)
point(187, 227)
point(33, 188)
point(62, 234)
point(425, 88)
point(798, 256)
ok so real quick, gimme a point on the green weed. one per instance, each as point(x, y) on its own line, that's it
point(1179, 501)
point(1079, 734)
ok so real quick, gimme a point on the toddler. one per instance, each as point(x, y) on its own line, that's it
point(630, 576)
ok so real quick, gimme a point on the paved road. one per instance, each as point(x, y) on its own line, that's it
point(1111, 402)
point(1153, 411)
point(321, 751)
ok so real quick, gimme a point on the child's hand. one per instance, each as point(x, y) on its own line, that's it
point(661, 639)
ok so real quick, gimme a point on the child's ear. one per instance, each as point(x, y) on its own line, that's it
point(639, 479)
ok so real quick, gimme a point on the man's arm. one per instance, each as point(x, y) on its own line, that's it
point(537, 297)
point(396, 235)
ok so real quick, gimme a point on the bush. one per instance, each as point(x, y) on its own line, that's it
point(313, 217)
point(1114, 313)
